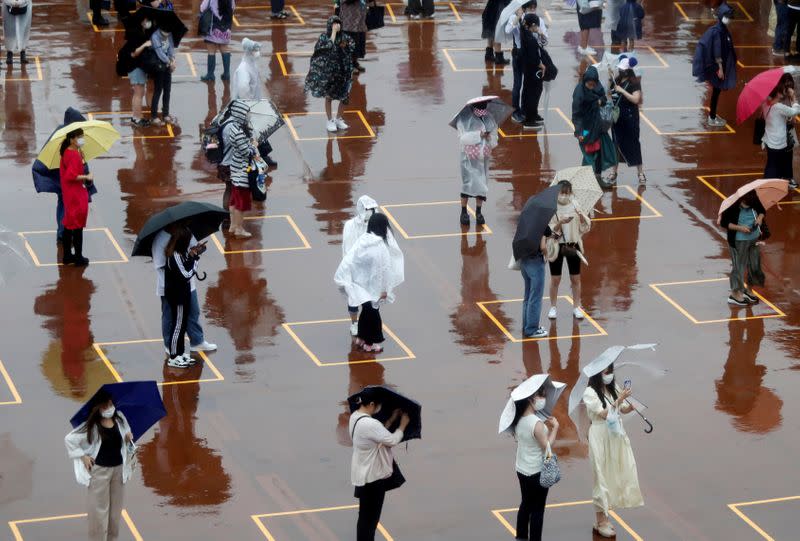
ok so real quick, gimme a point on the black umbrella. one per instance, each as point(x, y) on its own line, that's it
point(533, 220)
point(166, 19)
point(390, 401)
point(202, 218)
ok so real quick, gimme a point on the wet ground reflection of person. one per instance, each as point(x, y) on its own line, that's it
point(568, 444)
point(740, 393)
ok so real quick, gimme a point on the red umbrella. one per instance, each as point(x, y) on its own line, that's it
point(757, 90)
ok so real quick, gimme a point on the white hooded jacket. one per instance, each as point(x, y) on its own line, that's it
point(357, 225)
point(247, 83)
point(371, 268)
point(78, 446)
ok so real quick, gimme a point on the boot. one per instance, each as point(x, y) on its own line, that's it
point(9, 58)
point(464, 216)
point(212, 65)
point(501, 60)
point(489, 56)
point(77, 240)
point(226, 66)
point(479, 219)
point(66, 247)
point(23, 59)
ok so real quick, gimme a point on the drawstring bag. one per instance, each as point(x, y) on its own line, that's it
point(551, 473)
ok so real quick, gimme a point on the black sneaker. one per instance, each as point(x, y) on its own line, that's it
point(100, 21)
point(734, 302)
point(80, 261)
point(751, 299)
point(464, 218)
point(489, 55)
point(792, 184)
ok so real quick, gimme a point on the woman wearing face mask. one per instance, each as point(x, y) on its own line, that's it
point(372, 464)
point(627, 94)
point(99, 448)
point(616, 481)
point(779, 138)
point(715, 61)
point(743, 223)
point(164, 48)
point(74, 180)
point(477, 135)
point(569, 224)
point(129, 62)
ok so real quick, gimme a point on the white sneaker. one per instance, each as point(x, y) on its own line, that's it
point(331, 126)
point(540, 333)
point(204, 346)
point(578, 313)
point(340, 124)
point(188, 358)
point(718, 122)
point(178, 362)
point(582, 51)
point(591, 50)
point(354, 329)
point(553, 313)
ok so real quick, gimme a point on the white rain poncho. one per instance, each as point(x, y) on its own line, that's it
point(247, 83)
point(357, 225)
point(370, 268)
point(475, 170)
point(17, 28)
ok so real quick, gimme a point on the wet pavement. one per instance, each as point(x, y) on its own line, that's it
point(258, 431)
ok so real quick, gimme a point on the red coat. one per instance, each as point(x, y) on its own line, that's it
point(76, 197)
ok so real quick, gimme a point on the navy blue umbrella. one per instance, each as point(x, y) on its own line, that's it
point(139, 401)
point(390, 401)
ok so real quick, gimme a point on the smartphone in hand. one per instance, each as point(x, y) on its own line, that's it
point(627, 384)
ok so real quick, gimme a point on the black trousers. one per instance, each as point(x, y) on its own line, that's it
point(370, 325)
point(97, 9)
point(162, 83)
point(420, 7)
point(779, 163)
point(531, 510)
point(714, 101)
point(180, 318)
point(370, 505)
point(531, 94)
point(792, 28)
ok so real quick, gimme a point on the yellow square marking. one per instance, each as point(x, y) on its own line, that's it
point(634, 193)
point(661, 62)
point(288, 118)
point(99, 29)
point(288, 326)
point(728, 129)
point(189, 62)
point(300, 21)
point(755, 175)
point(15, 524)
point(735, 508)
point(456, 69)
point(122, 257)
point(482, 305)
point(658, 289)
point(98, 347)
point(393, 17)
point(260, 519)
point(106, 114)
point(543, 132)
point(385, 208)
point(304, 243)
point(282, 64)
point(757, 66)
point(37, 64)
point(11, 387)
point(498, 514)
point(740, 9)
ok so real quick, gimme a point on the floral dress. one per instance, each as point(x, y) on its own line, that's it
point(331, 71)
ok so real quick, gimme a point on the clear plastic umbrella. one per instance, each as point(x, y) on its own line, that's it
point(13, 255)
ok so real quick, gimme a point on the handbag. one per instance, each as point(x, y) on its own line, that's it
point(614, 422)
point(150, 63)
point(763, 230)
point(204, 23)
point(396, 480)
point(17, 10)
point(513, 264)
point(551, 472)
point(569, 250)
point(375, 16)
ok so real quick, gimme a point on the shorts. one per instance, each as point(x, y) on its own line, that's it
point(573, 264)
point(137, 77)
point(588, 21)
point(241, 198)
point(477, 197)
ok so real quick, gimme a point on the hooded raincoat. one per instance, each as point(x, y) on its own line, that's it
point(238, 149)
point(586, 105)
point(247, 82)
point(716, 43)
point(49, 180)
point(331, 71)
point(475, 152)
point(356, 226)
point(371, 268)
point(17, 28)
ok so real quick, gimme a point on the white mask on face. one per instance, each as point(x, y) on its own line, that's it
point(539, 403)
point(256, 53)
point(608, 378)
point(108, 413)
point(147, 25)
point(81, 141)
point(726, 20)
point(563, 199)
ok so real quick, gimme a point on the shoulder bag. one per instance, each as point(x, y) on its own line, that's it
point(204, 23)
point(375, 16)
point(551, 473)
point(150, 63)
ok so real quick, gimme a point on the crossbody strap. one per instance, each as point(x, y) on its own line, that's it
point(353, 433)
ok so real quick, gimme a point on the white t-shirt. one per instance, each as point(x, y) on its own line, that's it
point(777, 116)
point(529, 452)
point(160, 260)
point(372, 454)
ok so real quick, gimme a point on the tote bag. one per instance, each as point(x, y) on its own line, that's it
point(375, 16)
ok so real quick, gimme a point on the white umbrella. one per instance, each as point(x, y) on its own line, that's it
point(526, 389)
point(499, 110)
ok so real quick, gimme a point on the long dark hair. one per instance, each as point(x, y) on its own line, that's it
point(178, 242)
point(368, 396)
point(521, 406)
point(100, 399)
point(379, 225)
point(596, 383)
point(68, 140)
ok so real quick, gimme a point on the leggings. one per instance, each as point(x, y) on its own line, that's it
point(531, 510)
point(162, 82)
point(180, 319)
point(714, 101)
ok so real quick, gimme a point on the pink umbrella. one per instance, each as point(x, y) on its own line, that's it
point(769, 191)
point(757, 90)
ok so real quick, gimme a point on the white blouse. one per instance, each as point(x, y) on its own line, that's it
point(372, 454)
point(78, 446)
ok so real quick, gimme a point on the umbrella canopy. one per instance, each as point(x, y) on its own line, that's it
point(264, 117)
point(533, 221)
point(100, 136)
point(165, 19)
point(526, 389)
point(757, 90)
point(499, 110)
point(586, 190)
point(202, 218)
point(139, 401)
point(390, 401)
point(769, 191)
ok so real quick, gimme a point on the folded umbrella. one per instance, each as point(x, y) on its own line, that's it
point(533, 220)
point(526, 389)
point(203, 219)
point(390, 401)
point(139, 401)
point(100, 136)
point(584, 186)
point(757, 90)
point(499, 110)
point(769, 192)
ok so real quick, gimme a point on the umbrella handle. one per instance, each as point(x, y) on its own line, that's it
point(199, 278)
point(649, 428)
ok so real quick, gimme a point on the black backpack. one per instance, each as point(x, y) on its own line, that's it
point(212, 141)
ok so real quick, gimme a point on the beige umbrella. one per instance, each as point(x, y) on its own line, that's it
point(584, 186)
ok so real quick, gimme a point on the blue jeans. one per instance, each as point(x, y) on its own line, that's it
point(781, 39)
point(60, 216)
point(533, 274)
point(193, 328)
point(516, 66)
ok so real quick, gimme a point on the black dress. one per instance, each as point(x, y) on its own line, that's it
point(625, 131)
point(491, 13)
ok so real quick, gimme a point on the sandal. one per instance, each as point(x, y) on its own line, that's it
point(642, 178)
point(612, 178)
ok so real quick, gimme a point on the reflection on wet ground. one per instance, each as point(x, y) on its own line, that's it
point(249, 435)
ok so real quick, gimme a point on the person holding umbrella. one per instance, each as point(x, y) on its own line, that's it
point(779, 140)
point(74, 183)
point(373, 470)
point(743, 221)
point(627, 95)
point(715, 61)
point(528, 416)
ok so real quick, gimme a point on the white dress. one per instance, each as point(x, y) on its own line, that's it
point(17, 28)
point(616, 481)
point(475, 172)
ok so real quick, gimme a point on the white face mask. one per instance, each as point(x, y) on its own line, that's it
point(608, 378)
point(147, 25)
point(256, 53)
point(563, 199)
point(108, 413)
point(539, 403)
point(81, 141)
point(726, 20)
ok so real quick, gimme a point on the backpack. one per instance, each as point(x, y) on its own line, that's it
point(212, 141)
